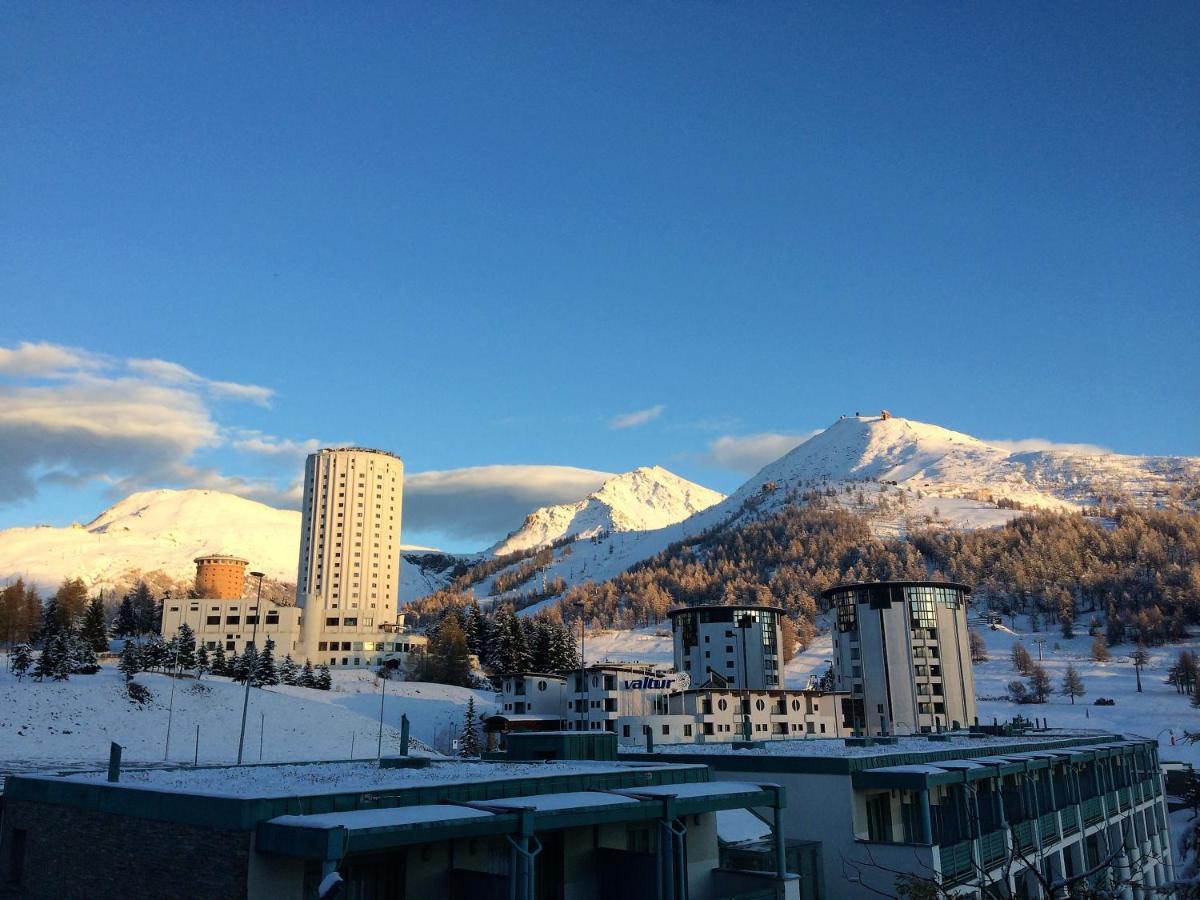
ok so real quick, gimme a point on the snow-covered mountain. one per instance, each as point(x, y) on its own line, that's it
point(157, 531)
point(904, 474)
point(947, 464)
point(645, 499)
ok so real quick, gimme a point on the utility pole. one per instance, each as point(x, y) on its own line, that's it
point(582, 672)
point(250, 675)
point(171, 704)
point(1041, 642)
point(389, 666)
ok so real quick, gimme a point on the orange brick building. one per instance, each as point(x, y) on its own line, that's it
point(220, 577)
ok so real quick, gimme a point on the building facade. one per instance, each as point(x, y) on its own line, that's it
point(974, 814)
point(446, 829)
point(902, 653)
point(630, 699)
point(220, 576)
point(734, 646)
point(348, 577)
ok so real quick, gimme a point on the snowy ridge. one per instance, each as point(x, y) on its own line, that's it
point(645, 499)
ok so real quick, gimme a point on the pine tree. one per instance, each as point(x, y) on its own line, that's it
point(81, 655)
point(265, 673)
point(20, 660)
point(220, 665)
point(51, 624)
point(1115, 629)
point(323, 679)
point(307, 678)
point(243, 665)
point(1072, 685)
point(475, 630)
point(1021, 660)
point(1099, 648)
point(126, 624)
point(94, 630)
point(155, 655)
point(468, 744)
point(144, 609)
point(46, 665)
point(63, 657)
point(70, 601)
point(288, 670)
point(564, 654)
point(203, 664)
point(185, 647)
point(131, 662)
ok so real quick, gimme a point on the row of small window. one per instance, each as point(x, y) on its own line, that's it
point(272, 619)
point(378, 646)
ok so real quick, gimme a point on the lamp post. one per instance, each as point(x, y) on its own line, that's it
point(582, 672)
point(743, 623)
point(250, 675)
point(174, 670)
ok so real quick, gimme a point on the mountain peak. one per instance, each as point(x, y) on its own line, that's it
point(643, 499)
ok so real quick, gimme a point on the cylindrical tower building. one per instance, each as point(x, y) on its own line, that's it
point(741, 645)
point(220, 576)
point(349, 571)
point(901, 648)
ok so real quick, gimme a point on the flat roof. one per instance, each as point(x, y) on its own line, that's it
point(833, 756)
point(680, 610)
point(838, 588)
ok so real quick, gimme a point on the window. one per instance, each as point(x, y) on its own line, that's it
point(350, 622)
point(322, 645)
point(233, 620)
point(666, 729)
point(331, 622)
point(213, 620)
point(687, 730)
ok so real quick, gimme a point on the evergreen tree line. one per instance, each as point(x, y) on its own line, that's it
point(503, 642)
point(68, 645)
point(181, 655)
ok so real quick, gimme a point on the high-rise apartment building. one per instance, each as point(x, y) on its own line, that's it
point(735, 646)
point(348, 580)
point(901, 649)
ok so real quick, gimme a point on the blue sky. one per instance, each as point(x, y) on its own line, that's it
point(477, 235)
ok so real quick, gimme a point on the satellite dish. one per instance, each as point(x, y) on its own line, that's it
point(683, 681)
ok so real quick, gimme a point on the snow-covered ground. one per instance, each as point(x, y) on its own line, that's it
point(1157, 712)
point(70, 724)
point(648, 645)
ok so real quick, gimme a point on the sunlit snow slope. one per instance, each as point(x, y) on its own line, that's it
point(641, 500)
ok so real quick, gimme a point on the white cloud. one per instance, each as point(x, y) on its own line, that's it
point(165, 372)
point(483, 503)
point(1040, 445)
point(72, 417)
point(44, 360)
point(636, 418)
point(750, 452)
point(269, 445)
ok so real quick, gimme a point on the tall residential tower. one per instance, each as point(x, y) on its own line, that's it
point(348, 580)
point(902, 651)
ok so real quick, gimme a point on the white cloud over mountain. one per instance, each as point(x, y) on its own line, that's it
point(748, 453)
point(478, 503)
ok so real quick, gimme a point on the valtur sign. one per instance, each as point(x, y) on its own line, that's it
point(666, 682)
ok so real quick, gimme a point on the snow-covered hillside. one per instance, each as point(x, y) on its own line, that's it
point(70, 724)
point(902, 474)
point(165, 531)
point(642, 500)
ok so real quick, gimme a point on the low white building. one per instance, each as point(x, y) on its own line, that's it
point(231, 624)
point(629, 699)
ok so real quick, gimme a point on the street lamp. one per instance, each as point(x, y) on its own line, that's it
point(250, 675)
point(743, 623)
point(578, 604)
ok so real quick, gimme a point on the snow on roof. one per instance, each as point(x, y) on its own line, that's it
point(336, 777)
point(737, 825)
point(836, 747)
point(383, 818)
point(695, 789)
point(557, 802)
